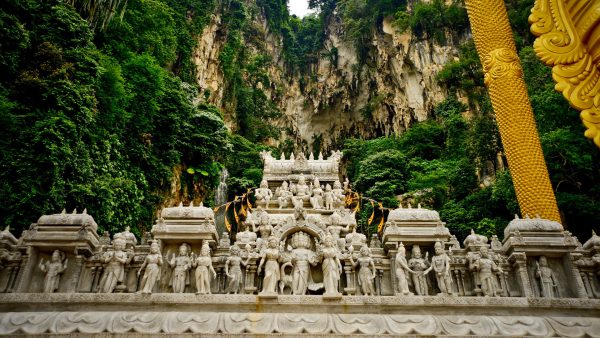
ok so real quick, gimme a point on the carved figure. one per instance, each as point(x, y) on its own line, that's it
point(441, 266)
point(152, 263)
point(355, 238)
point(283, 194)
point(114, 271)
point(402, 270)
point(301, 190)
point(235, 273)
point(486, 267)
point(332, 268)
point(548, 281)
point(302, 258)
point(329, 198)
point(365, 275)
point(339, 195)
point(269, 258)
point(181, 265)
point(203, 265)
point(335, 228)
point(53, 269)
point(316, 201)
point(263, 194)
point(264, 226)
point(421, 268)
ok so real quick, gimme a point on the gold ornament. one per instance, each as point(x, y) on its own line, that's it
point(504, 81)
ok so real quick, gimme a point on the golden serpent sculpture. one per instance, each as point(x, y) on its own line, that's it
point(569, 40)
point(503, 78)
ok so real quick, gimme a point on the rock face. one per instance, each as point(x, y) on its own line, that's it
point(394, 88)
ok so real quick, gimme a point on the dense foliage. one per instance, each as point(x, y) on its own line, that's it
point(103, 119)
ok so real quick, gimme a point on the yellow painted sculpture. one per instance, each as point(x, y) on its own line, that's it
point(569, 40)
point(504, 80)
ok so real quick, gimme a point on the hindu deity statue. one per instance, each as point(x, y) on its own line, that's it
point(441, 266)
point(114, 271)
point(269, 259)
point(181, 265)
point(548, 281)
point(316, 201)
point(301, 190)
point(263, 194)
point(421, 268)
point(283, 194)
point(329, 198)
point(332, 267)
point(203, 265)
point(301, 258)
point(152, 263)
point(235, 272)
point(335, 228)
point(367, 272)
point(486, 267)
point(402, 270)
point(339, 195)
point(53, 269)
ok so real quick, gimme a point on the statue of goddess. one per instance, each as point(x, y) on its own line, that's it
point(53, 269)
point(402, 270)
point(332, 268)
point(283, 195)
point(316, 201)
point(152, 263)
point(421, 268)
point(180, 264)
point(335, 229)
point(235, 273)
point(339, 195)
point(329, 198)
point(203, 265)
point(263, 194)
point(301, 190)
point(269, 258)
point(365, 275)
point(441, 265)
point(114, 270)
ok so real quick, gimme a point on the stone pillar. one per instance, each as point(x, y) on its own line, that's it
point(392, 255)
point(351, 288)
point(503, 78)
point(250, 277)
point(520, 260)
point(25, 270)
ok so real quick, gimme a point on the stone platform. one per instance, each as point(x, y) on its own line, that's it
point(79, 314)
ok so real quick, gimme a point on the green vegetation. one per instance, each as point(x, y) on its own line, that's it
point(104, 119)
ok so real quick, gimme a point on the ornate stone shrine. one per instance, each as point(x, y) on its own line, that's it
point(298, 266)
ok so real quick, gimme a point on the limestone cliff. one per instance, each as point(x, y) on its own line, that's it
point(395, 88)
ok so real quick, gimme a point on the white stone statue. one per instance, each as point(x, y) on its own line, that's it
point(366, 272)
point(355, 238)
point(302, 257)
point(235, 272)
point(335, 228)
point(421, 268)
point(402, 270)
point(152, 263)
point(263, 194)
point(53, 269)
point(329, 198)
point(339, 195)
point(283, 194)
point(246, 236)
point(441, 266)
point(332, 267)
point(203, 265)
point(264, 225)
point(301, 190)
point(114, 272)
point(486, 267)
point(548, 281)
point(269, 259)
point(181, 265)
point(316, 200)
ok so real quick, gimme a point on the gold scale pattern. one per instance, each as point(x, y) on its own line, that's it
point(569, 40)
point(504, 80)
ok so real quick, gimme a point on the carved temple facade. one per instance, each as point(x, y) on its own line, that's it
point(298, 266)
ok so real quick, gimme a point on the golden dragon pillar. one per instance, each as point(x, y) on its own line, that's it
point(503, 78)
